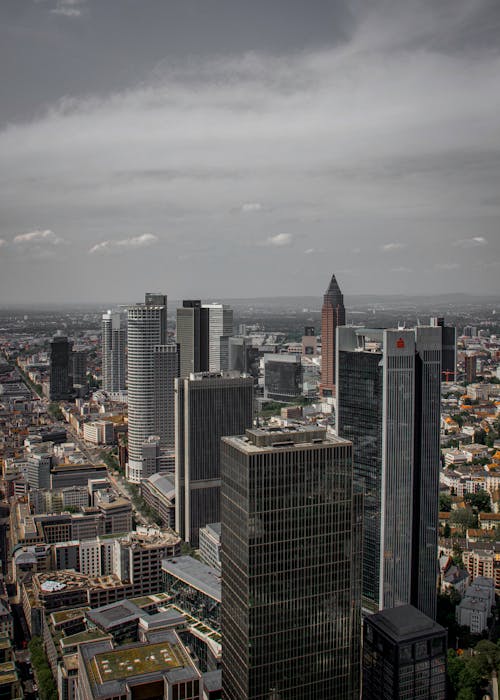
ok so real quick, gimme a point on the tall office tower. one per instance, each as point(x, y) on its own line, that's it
point(147, 327)
point(60, 368)
point(282, 377)
point(78, 367)
point(244, 356)
point(220, 329)
point(470, 365)
point(207, 406)
point(388, 405)
point(332, 316)
point(404, 656)
point(449, 355)
point(192, 337)
point(114, 338)
point(291, 566)
point(166, 370)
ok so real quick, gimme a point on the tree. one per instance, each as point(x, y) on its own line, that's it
point(480, 500)
point(463, 518)
point(446, 530)
point(444, 503)
point(55, 411)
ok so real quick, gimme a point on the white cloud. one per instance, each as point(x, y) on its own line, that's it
point(133, 243)
point(68, 8)
point(251, 207)
point(38, 237)
point(280, 240)
point(447, 266)
point(473, 242)
point(389, 247)
point(309, 251)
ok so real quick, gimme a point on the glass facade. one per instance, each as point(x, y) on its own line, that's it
point(359, 420)
point(290, 570)
point(403, 666)
point(282, 377)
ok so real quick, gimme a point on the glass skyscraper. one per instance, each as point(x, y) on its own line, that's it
point(388, 405)
point(291, 566)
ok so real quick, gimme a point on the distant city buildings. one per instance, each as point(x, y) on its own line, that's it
point(291, 566)
point(114, 338)
point(388, 405)
point(332, 316)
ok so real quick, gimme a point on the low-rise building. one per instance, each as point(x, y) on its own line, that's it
point(158, 491)
point(161, 669)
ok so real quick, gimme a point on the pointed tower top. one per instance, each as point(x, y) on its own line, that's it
point(333, 293)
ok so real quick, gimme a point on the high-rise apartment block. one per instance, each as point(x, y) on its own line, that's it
point(147, 328)
point(207, 406)
point(114, 338)
point(332, 316)
point(388, 405)
point(404, 656)
point(291, 566)
point(61, 384)
point(192, 337)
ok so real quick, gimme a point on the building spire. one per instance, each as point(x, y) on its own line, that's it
point(333, 293)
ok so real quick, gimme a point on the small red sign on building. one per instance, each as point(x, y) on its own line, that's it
point(400, 343)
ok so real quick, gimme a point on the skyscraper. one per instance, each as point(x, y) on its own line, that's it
point(147, 328)
point(449, 354)
point(192, 337)
point(60, 368)
point(220, 329)
point(166, 369)
point(78, 367)
point(207, 406)
point(332, 316)
point(283, 377)
point(113, 352)
point(388, 405)
point(470, 368)
point(291, 560)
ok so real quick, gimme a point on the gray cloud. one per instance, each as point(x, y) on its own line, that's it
point(381, 140)
point(38, 237)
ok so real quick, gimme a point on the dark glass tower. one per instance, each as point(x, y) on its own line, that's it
point(207, 406)
point(388, 405)
point(332, 316)
point(60, 368)
point(404, 656)
point(449, 356)
point(291, 534)
point(192, 337)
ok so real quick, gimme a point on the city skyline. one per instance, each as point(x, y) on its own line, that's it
point(221, 140)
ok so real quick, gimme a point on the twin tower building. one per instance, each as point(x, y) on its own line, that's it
point(315, 526)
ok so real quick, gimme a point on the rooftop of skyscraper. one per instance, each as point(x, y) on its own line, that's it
point(267, 437)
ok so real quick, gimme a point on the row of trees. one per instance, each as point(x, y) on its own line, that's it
point(469, 675)
point(47, 689)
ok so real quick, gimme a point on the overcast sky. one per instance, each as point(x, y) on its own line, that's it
point(235, 148)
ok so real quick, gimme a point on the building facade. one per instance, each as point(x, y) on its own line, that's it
point(147, 328)
point(192, 337)
point(60, 368)
point(404, 656)
point(291, 566)
point(332, 316)
point(283, 377)
point(114, 339)
point(388, 405)
point(208, 406)
point(220, 329)
point(166, 369)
